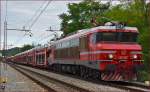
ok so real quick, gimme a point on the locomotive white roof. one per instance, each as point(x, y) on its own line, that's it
point(107, 27)
point(86, 31)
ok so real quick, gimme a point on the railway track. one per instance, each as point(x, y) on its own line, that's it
point(51, 84)
point(131, 87)
point(136, 86)
point(57, 85)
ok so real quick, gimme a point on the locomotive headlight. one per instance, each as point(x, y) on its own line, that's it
point(135, 56)
point(110, 56)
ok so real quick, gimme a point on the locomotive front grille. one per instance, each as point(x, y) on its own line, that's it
point(122, 61)
point(123, 52)
point(122, 55)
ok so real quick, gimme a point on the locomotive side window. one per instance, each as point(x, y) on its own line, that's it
point(67, 49)
point(93, 38)
point(83, 43)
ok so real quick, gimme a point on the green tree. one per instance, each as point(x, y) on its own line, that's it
point(14, 51)
point(134, 14)
point(26, 47)
point(85, 14)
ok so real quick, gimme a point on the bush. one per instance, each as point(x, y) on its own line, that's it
point(144, 76)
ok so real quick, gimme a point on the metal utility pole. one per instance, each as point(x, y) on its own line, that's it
point(5, 39)
point(5, 44)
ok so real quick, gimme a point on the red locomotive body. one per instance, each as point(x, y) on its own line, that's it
point(105, 52)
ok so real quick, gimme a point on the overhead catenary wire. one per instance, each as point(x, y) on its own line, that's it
point(55, 36)
point(30, 20)
point(40, 36)
point(44, 38)
point(34, 20)
point(35, 14)
point(48, 36)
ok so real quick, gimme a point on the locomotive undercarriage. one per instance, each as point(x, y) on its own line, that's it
point(111, 74)
point(79, 70)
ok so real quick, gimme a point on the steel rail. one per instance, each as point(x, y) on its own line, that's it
point(129, 86)
point(36, 81)
point(48, 78)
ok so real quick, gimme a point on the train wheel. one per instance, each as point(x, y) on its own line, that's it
point(69, 69)
point(59, 67)
point(78, 71)
point(98, 75)
point(54, 67)
point(82, 72)
point(73, 70)
point(86, 72)
point(90, 73)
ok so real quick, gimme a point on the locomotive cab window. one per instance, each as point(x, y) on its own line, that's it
point(116, 37)
point(106, 36)
point(128, 37)
point(93, 38)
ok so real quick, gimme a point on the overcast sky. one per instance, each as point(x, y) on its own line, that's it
point(20, 12)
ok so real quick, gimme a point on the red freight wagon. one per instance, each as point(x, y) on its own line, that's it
point(41, 57)
point(30, 54)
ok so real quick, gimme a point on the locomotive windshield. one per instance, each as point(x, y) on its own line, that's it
point(116, 36)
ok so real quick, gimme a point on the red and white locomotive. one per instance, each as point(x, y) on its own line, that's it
point(106, 52)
